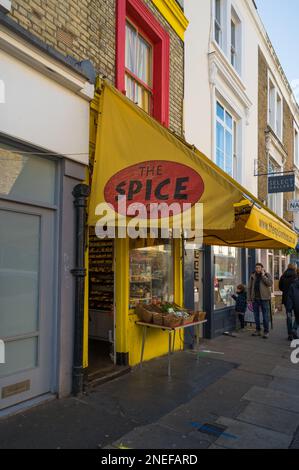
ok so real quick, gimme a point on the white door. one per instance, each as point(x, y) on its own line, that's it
point(27, 299)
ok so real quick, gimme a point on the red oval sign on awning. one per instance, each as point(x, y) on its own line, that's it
point(155, 182)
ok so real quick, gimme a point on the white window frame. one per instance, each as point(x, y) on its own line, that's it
point(234, 133)
point(273, 96)
point(236, 48)
point(275, 200)
point(229, 14)
point(218, 22)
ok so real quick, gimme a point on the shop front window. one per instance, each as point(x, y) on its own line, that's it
point(151, 271)
point(227, 269)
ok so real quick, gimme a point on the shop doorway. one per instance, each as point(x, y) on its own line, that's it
point(27, 298)
point(101, 311)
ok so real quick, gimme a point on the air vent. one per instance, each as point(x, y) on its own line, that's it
point(65, 37)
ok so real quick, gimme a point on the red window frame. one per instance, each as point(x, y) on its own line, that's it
point(147, 87)
point(139, 14)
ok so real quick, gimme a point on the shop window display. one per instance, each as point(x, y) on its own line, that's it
point(151, 271)
point(227, 268)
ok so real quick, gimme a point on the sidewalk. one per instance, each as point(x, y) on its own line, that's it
point(245, 397)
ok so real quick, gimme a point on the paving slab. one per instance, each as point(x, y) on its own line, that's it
point(237, 375)
point(256, 367)
point(285, 385)
point(249, 436)
point(269, 417)
point(158, 437)
point(286, 372)
point(275, 398)
point(295, 442)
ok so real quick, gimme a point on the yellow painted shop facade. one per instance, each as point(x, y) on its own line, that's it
point(122, 137)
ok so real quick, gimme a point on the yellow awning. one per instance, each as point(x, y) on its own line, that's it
point(255, 227)
point(138, 157)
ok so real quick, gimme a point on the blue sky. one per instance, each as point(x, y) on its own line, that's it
point(281, 19)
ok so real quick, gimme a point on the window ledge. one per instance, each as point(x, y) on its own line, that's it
point(174, 15)
point(274, 133)
point(219, 64)
point(227, 63)
point(272, 139)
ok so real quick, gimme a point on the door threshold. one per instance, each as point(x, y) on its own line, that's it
point(26, 405)
point(101, 377)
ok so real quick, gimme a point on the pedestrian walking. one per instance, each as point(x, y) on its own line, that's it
point(292, 307)
point(285, 282)
point(259, 293)
point(241, 304)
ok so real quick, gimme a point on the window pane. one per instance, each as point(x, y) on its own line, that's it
point(220, 111)
point(272, 105)
point(19, 355)
point(218, 10)
point(27, 177)
point(228, 120)
point(144, 61)
point(131, 48)
point(19, 273)
point(151, 271)
point(228, 152)
point(130, 88)
point(220, 145)
point(220, 136)
point(227, 266)
point(217, 33)
point(233, 34)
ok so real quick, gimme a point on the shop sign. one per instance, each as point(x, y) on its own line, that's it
point(281, 184)
point(155, 182)
point(293, 206)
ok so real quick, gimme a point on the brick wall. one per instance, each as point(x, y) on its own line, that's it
point(288, 142)
point(85, 29)
point(288, 134)
point(262, 126)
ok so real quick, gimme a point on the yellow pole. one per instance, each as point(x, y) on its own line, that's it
point(121, 295)
point(178, 271)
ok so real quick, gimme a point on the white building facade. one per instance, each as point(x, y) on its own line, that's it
point(222, 118)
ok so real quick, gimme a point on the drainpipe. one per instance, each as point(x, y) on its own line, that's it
point(80, 193)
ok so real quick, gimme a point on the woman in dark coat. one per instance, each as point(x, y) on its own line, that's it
point(286, 281)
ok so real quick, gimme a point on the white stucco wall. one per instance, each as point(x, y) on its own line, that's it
point(42, 112)
point(204, 82)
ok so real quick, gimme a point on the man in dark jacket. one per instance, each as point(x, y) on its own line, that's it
point(285, 282)
point(292, 305)
point(259, 293)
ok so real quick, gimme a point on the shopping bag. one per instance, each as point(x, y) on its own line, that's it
point(249, 314)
